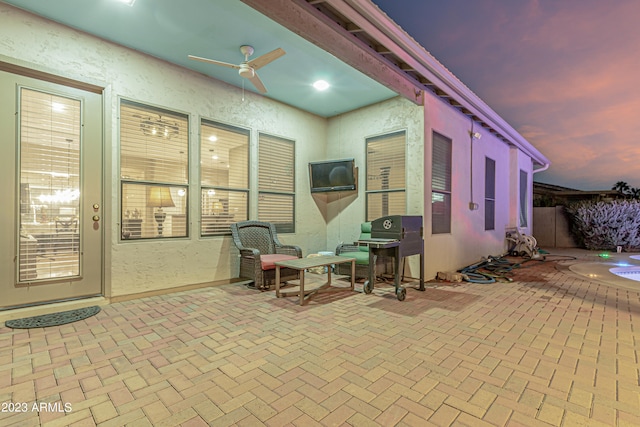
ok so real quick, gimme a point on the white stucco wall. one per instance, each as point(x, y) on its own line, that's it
point(346, 138)
point(520, 161)
point(468, 240)
point(134, 267)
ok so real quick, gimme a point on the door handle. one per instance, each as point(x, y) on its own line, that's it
point(96, 218)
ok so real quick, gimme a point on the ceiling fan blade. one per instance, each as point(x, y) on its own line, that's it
point(213, 61)
point(263, 60)
point(258, 83)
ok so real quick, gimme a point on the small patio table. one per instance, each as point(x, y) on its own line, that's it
point(302, 264)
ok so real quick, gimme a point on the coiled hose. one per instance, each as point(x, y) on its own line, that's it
point(498, 268)
point(489, 270)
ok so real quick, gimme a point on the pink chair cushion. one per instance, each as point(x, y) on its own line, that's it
point(267, 261)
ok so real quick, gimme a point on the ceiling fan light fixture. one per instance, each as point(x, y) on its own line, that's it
point(321, 85)
point(246, 71)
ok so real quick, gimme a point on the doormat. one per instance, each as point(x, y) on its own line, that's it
point(53, 319)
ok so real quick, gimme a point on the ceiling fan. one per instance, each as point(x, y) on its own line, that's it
point(247, 69)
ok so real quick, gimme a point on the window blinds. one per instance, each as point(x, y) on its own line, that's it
point(489, 193)
point(441, 184)
point(386, 175)
point(224, 165)
point(524, 182)
point(153, 145)
point(441, 175)
point(276, 182)
point(154, 172)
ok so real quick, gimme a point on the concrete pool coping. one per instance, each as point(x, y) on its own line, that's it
point(589, 265)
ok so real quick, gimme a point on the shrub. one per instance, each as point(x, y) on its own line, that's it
point(605, 225)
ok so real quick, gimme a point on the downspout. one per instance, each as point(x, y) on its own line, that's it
point(472, 135)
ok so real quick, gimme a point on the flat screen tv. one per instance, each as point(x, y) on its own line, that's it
point(332, 175)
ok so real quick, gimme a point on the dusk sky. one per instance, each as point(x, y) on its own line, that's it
point(563, 73)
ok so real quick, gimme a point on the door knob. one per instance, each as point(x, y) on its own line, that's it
point(96, 218)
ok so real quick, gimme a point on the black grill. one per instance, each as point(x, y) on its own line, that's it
point(395, 236)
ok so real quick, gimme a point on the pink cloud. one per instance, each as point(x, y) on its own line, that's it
point(563, 73)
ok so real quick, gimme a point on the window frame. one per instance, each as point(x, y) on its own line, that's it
point(489, 194)
point(447, 192)
point(389, 191)
point(153, 183)
point(207, 187)
point(264, 192)
point(523, 184)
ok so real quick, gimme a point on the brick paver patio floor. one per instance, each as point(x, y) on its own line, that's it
point(549, 349)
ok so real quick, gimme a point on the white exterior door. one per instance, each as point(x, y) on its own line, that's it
point(51, 234)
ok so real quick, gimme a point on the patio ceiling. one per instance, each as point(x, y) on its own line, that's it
point(171, 30)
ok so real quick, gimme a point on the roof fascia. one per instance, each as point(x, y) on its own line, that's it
point(367, 15)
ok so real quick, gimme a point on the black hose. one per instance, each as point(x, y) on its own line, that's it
point(489, 270)
point(496, 268)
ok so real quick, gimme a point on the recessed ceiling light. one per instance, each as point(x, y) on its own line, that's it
point(213, 138)
point(321, 85)
point(127, 2)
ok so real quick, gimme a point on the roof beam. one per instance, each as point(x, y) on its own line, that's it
point(381, 49)
point(353, 28)
point(306, 21)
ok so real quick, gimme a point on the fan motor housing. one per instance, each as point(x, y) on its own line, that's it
point(246, 71)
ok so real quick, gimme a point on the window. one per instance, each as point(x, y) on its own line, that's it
point(276, 182)
point(441, 185)
point(489, 194)
point(224, 165)
point(154, 166)
point(385, 188)
point(523, 198)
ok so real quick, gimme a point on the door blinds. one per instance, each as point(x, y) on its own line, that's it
point(50, 191)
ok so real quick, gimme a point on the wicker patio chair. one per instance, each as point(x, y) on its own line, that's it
point(259, 249)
